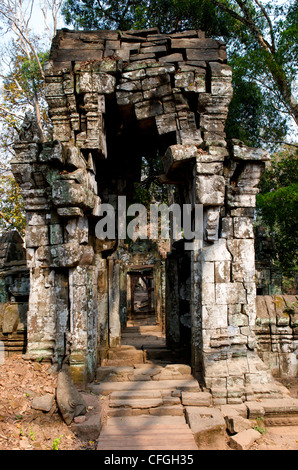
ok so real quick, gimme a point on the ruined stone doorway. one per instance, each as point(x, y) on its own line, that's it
point(141, 296)
point(115, 98)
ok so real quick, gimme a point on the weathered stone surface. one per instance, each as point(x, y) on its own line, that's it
point(177, 154)
point(43, 403)
point(207, 424)
point(210, 190)
point(244, 439)
point(37, 235)
point(69, 400)
point(10, 318)
point(237, 424)
point(102, 83)
point(242, 152)
point(200, 399)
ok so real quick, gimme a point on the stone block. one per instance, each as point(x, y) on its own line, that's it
point(101, 83)
point(128, 98)
point(203, 399)
point(220, 70)
point(36, 235)
point(227, 230)
point(211, 223)
point(222, 271)
point(172, 58)
point(208, 293)
point(243, 227)
point(68, 193)
point(66, 255)
point(10, 318)
point(244, 439)
point(222, 87)
point(214, 316)
point(212, 123)
point(210, 168)
point(177, 154)
point(216, 369)
point(210, 190)
point(166, 123)
point(56, 234)
point(202, 54)
point(77, 230)
point(216, 252)
point(194, 43)
point(43, 403)
point(130, 86)
point(26, 152)
point(237, 424)
point(207, 425)
point(189, 137)
point(52, 152)
point(230, 293)
point(157, 93)
point(70, 212)
point(148, 109)
point(241, 152)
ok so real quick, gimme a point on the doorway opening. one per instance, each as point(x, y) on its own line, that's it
point(142, 298)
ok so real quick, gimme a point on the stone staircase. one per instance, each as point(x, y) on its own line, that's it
point(154, 403)
point(147, 391)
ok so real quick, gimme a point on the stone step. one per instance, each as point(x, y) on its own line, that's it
point(139, 394)
point(135, 402)
point(142, 329)
point(128, 353)
point(160, 353)
point(145, 342)
point(143, 372)
point(275, 411)
point(105, 388)
point(163, 410)
point(146, 432)
point(146, 423)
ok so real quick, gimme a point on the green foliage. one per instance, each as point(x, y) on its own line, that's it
point(277, 206)
point(149, 190)
point(56, 443)
point(22, 87)
point(253, 116)
point(12, 214)
point(260, 426)
point(262, 76)
point(167, 15)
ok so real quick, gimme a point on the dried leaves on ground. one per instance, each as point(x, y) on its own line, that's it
point(22, 427)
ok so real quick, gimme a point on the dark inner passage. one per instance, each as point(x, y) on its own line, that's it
point(142, 295)
point(130, 143)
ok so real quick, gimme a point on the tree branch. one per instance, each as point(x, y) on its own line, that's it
point(269, 24)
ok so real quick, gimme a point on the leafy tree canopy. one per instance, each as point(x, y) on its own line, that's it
point(277, 206)
point(262, 49)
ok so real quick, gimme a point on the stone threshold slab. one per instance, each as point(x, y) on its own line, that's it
point(108, 387)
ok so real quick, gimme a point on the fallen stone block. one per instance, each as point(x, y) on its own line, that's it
point(88, 427)
point(237, 424)
point(244, 439)
point(43, 403)
point(208, 426)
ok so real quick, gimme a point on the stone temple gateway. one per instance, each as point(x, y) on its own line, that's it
point(115, 97)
